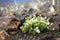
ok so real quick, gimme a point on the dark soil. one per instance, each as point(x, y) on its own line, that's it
point(49, 35)
point(43, 36)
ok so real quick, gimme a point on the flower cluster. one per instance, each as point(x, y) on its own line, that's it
point(34, 25)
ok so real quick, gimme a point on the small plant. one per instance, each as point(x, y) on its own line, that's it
point(34, 25)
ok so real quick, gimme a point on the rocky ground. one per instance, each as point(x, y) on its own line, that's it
point(10, 26)
point(50, 35)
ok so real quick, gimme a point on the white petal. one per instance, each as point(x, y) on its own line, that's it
point(48, 23)
point(20, 27)
point(38, 31)
point(51, 23)
point(36, 27)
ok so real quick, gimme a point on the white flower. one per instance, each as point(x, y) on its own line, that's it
point(38, 31)
point(41, 20)
point(20, 27)
point(48, 23)
point(36, 27)
point(51, 23)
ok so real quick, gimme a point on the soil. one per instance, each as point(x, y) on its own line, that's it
point(50, 35)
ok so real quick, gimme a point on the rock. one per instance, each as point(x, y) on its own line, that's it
point(11, 13)
point(55, 25)
point(56, 39)
point(13, 24)
point(9, 24)
point(52, 9)
point(4, 35)
point(12, 31)
point(4, 22)
point(0, 14)
point(12, 28)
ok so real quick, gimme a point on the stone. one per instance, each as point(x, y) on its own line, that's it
point(4, 35)
point(4, 22)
